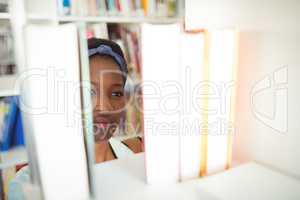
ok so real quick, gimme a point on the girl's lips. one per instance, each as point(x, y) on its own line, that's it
point(103, 124)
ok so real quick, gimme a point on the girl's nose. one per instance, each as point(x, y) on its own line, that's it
point(103, 104)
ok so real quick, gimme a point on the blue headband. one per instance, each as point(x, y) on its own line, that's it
point(106, 50)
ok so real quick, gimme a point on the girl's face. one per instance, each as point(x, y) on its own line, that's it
point(107, 92)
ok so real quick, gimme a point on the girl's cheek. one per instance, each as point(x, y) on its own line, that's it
point(120, 105)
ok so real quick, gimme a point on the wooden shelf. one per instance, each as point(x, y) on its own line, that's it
point(35, 17)
point(4, 16)
point(107, 19)
point(8, 86)
point(121, 19)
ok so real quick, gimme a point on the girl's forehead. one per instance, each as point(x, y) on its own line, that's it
point(102, 62)
point(105, 68)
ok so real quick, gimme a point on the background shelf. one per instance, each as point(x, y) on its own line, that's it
point(8, 85)
point(120, 19)
point(107, 19)
point(4, 15)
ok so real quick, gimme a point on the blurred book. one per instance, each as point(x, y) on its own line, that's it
point(7, 63)
point(98, 30)
point(64, 7)
point(4, 6)
point(128, 37)
point(150, 8)
point(1, 186)
point(7, 175)
point(11, 133)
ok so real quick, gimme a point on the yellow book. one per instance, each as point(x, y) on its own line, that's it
point(145, 6)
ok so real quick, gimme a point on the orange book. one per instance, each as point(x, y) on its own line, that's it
point(92, 7)
point(145, 6)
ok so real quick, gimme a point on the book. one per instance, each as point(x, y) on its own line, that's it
point(111, 7)
point(145, 6)
point(4, 6)
point(101, 7)
point(7, 61)
point(1, 186)
point(74, 7)
point(138, 8)
point(98, 30)
point(64, 7)
point(60, 58)
point(162, 8)
point(125, 7)
point(171, 4)
point(12, 130)
point(118, 5)
point(8, 174)
point(150, 8)
point(3, 111)
point(161, 127)
point(82, 8)
point(92, 8)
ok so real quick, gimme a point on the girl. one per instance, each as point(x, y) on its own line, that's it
point(108, 73)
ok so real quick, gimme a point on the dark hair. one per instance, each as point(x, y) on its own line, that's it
point(96, 42)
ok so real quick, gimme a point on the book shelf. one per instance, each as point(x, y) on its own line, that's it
point(46, 12)
point(9, 160)
point(104, 19)
point(119, 19)
point(8, 86)
point(4, 16)
point(39, 11)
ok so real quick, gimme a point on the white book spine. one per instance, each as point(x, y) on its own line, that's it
point(191, 73)
point(51, 106)
point(160, 67)
point(100, 30)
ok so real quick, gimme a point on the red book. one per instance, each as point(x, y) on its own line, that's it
point(118, 5)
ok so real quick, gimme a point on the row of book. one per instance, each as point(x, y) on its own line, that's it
point(152, 8)
point(3, 6)
point(7, 63)
point(128, 37)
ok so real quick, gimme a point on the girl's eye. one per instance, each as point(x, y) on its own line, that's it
point(117, 94)
point(93, 92)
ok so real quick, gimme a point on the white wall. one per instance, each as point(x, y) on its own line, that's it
point(269, 46)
